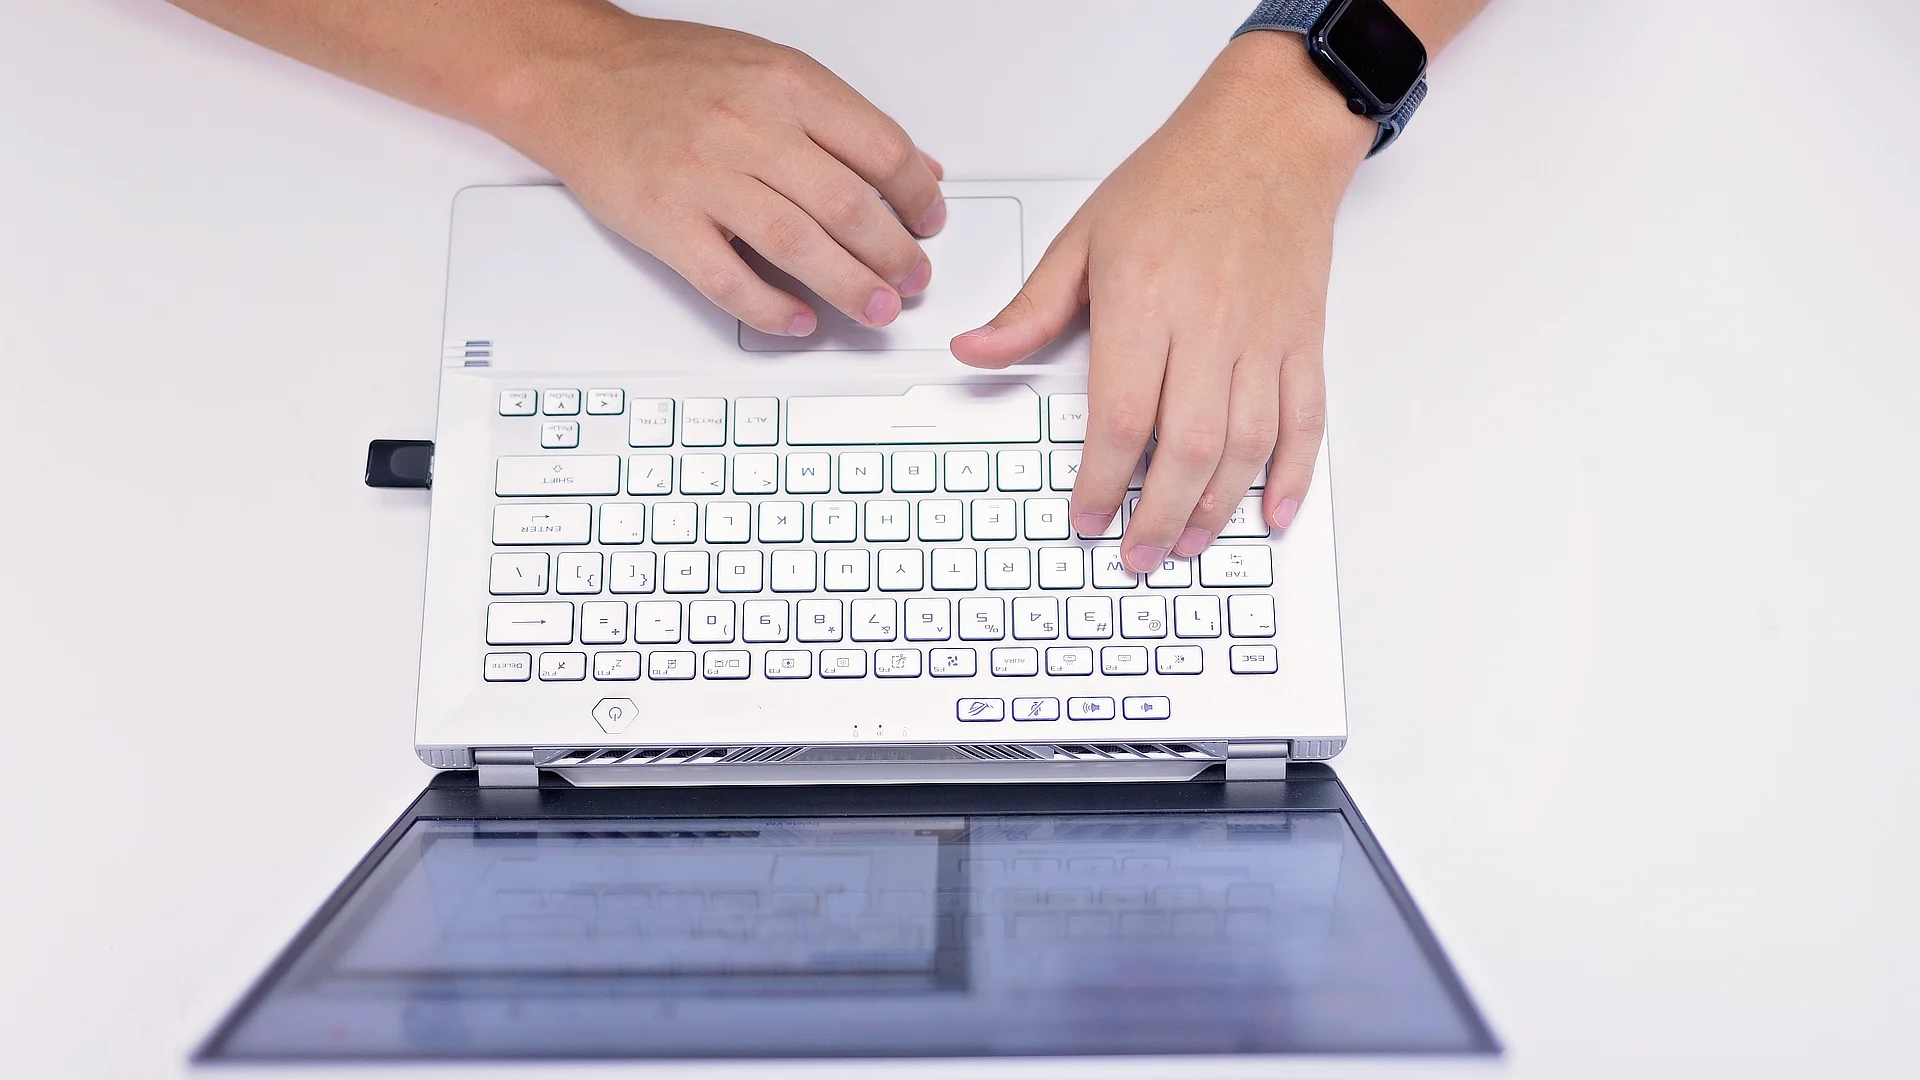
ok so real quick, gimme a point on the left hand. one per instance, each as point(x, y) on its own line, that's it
point(1204, 258)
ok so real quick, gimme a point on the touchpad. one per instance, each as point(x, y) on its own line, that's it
point(977, 268)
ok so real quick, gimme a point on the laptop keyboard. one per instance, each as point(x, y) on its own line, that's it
point(805, 538)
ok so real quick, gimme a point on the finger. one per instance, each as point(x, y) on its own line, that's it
point(939, 171)
point(788, 238)
point(1192, 439)
point(1253, 425)
point(872, 145)
point(851, 212)
point(709, 263)
point(1303, 414)
point(1123, 396)
point(1052, 296)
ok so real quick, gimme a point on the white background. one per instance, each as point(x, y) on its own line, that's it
point(1623, 406)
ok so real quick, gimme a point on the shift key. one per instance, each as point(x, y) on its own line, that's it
point(557, 474)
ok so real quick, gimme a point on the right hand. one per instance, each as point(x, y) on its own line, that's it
point(681, 137)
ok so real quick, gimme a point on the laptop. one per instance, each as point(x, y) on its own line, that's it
point(782, 713)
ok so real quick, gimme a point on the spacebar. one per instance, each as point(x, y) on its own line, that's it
point(980, 413)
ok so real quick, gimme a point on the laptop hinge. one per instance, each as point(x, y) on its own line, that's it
point(1258, 760)
point(506, 768)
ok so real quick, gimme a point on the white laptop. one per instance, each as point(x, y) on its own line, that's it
point(669, 549)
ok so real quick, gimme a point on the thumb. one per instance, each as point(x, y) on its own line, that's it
point(1052, 296)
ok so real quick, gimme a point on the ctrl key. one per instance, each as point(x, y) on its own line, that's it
point(509, 666)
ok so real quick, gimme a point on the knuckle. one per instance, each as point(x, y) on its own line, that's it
point(1254, 439)
point(724, 285)
point(846, 207)
point(1194, 447)
point(1131, 424)
point(893, 152)
point(1307, 419)
point(785, 237)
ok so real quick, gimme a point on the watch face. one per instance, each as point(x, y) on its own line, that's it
point(1371, 42)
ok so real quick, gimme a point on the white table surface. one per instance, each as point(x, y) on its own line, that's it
point(1623, 405)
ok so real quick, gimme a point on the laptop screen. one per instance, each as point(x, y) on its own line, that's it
point(1018, 934)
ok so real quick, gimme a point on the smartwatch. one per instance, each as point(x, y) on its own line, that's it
point(1370, 56)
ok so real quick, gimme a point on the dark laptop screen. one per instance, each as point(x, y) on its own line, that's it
point(1240, 932)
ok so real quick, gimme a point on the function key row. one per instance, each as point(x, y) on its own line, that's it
point(668, 665)
point(703, 421)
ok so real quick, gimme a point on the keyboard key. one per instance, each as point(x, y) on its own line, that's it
point(1018, 470)
point(1253, 659)
point(623, 523)
point(843, 663)
point(736, 571)
point(557, 474)
point(559, 434)
point(835, 522)
point(563, 666)
point(788, 664)
point(928, 619)
point(896, 663)
point(1250, 615)
point(1090, 708)
point(685, 572)
point(900, 569)
point(729, 522)
point(1089, 617)
point(518, 403)
point(1047, 519)
point(672, 666)
point(606, 402)
point(847, 570)
point(819, 620)
point(1062, 567)
point(763, 621)
point(509, 666)
point(1172, 573)
point(1243, 565)
point(530, 623)
point(1143, 616)
point(756, 421)
point(1247, 519)
point(1036, 618)
point(793, 571)
point(560, 403)
point(927, 414)
point(616, 666)
point(650, 422)
point(995, 519)
point(544, 523)
point(809, 474)
point(1145, 708)
point(576, 573)
point(860, 472)
point(1178, 659)
point(1196, 616)
point(1109, 572)
point(675, 522)
point(517, 573)
point(874, 620)
point(940, 520)
point(656, 622)
point(980, 709)
point(603, 622)
point(1070, 660)
point(954, 569)
point(756, 474)
point(1036, 708)
point(631, 572)
point(650, 474)
point(726, 663)
point(1067, 417)
point(703, 474)
point(914, 471)
point(1063, 468)
point(781, 522)
point(889, 519)
point(703, 422)
point(952, 663)
point(967, 470)
point(1015, 662)
point(983, 618)
point(1123, 660)
point(1008, 568)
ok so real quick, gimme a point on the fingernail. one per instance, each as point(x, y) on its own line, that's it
point(881, 308)
point(802, 324)
point(933, 219)
point(1283, 514)
point(1084, 524)
point(1192, 542)
point(1144, 560)
point(916, 280)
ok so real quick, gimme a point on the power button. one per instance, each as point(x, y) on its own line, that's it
point(614, 714)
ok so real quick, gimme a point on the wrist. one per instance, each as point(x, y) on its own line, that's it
point(529, 98)
point(1267, 77)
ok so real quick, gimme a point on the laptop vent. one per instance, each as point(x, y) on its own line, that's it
point(874, 754)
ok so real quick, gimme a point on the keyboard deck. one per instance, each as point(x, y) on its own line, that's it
point(845, 538)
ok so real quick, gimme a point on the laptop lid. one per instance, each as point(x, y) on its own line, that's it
point(1242, 917)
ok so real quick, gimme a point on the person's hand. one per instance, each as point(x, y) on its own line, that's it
point(681, 137)
point(1204, 259)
